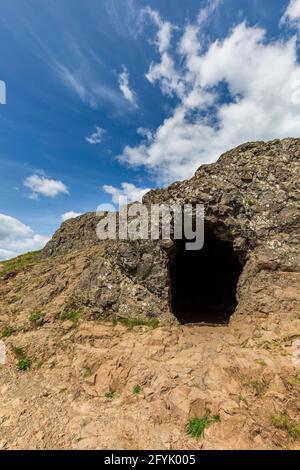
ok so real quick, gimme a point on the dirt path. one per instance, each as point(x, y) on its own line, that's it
point(99, 386)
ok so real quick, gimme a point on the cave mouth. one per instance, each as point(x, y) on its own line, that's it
point(203, 283)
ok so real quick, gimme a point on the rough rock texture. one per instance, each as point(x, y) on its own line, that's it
point(79, 391)
point(252, 199)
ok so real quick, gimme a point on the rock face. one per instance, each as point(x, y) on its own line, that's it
point(252, 200)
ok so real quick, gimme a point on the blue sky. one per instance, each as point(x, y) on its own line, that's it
point(110, 97)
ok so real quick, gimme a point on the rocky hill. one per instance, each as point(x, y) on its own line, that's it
point(142, 337)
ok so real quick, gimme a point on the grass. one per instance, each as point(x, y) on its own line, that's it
point(132, 322)
point(242, 398)
point(195, 426)
point(285, 423)
point(110, 394)
point(6, 332)
point(259, 386)
point(136, 389)
point(18, 352)
point(24, 363)
point(261, 362)
point(19, 263)
point(71, 316)
point(87, 372)
point(37, 317)
point(293, 382)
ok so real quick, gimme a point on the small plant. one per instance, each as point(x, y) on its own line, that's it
point(136, 389)
point(293, 382)
point(6, 332)
point(259, 385)
point(261, 362)
point(37, 318)
point(87, 372)
point(13, 300)
point(18, 352)
point(154, 323)
point(110, 394)
point(71, 316)
point(132, 322)
point(284, 422)
point(24, 364)
point(195, 426)
point(242, 398)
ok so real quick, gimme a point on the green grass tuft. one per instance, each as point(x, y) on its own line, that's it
point(36, 317)
point(195, 426)
point(71, 316)
point(110, 394)
point(24, 364)
point(6, 332)
point(136, 389)
point(285, 423)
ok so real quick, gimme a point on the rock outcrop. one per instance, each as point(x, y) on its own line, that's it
point(252, 200)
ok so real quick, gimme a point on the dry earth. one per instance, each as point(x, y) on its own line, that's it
point(246, 372)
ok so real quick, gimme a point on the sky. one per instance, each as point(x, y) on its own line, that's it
point(109, 98)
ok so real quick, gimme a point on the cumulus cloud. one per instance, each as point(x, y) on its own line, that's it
point(70, 215)
point(128, 93)
point(39, 184)
point(17, 238)
point(127, 190)
point(292, 13)
point(237, 89)
point(96, 137)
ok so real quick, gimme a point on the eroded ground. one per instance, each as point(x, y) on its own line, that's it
point(79, 391)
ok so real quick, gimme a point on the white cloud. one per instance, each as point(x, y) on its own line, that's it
point(207, 11)
point(128, 94)
point(292, 13)
point(259, 75)
point(129, 191)
point(84, 82)
point(44, 186)
point(17, 238)
point(70, 215)
point(96, 137)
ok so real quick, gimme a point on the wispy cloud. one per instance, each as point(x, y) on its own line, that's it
point(40, 185)
point(96, 137)
point(88, 88)
point(128, 93)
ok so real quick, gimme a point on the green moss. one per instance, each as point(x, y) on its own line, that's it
point(19, 263)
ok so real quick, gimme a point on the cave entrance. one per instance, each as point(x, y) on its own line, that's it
point(203, 283)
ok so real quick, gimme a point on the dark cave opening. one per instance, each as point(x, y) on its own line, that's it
point(203, 283)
